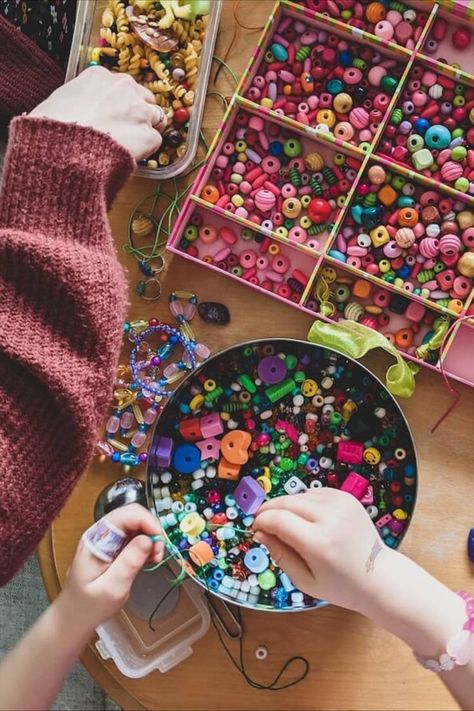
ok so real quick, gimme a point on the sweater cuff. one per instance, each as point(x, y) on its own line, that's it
point(57, 175)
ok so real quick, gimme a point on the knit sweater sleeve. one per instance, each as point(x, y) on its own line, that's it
point(62, 304)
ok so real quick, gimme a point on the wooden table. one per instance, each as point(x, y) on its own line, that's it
point(354, 665)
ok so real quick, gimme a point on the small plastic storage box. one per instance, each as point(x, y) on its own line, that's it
point(86, 37)
point(180, 621)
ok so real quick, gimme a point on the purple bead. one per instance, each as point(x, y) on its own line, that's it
point(156, 360)
point(143, 457)
point(249, 495)
point(272, 370)
point(160, 453)
point(470, 545)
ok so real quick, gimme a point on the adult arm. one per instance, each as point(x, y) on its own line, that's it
point(62, 292)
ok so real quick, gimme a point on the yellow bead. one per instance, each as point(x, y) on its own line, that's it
point(192, 525)
point(237, 200)
point(372, 456)
point(309, 388)
point(266, 102)
point(265, 483)
point(342, 103)
point(95, 54)
point(400, 514)
point(329, 274)
point(196, 402)
point(379, 236)
point(209, 385)
point(291, 208)
point(326, 117)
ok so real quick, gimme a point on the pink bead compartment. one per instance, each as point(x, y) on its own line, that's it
point(389, 25)
point(318, 75)
point(451, 41)
point(404, 322)
point(432, 102)
point(256, 259)
point(419, 237)
point(274, 178)
point(458, 348)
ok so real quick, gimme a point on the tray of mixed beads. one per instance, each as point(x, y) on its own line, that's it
point(266, 419)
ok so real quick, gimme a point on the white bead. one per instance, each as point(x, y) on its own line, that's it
point(228, 582)
point(197, 484)
point(252, 580)
point(211, 472)
point(155, 479)
point(167, 503)
point(199, 474)
point(166, 477)
point(165, 492)
point(177, 507)
point(298, 400)
point(266, 414)
point(208, 513)
point(294, 485)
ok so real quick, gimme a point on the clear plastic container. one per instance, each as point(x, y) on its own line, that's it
point(86, 37)
point(181, 620)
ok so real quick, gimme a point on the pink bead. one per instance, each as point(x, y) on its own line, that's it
point(359, 118)
point(150, 415)
point(352, 75)
point(384, 30)
point(451, 171)
point(449, 244)
point(376, 75)
point(419, 98)
point(297, 234)
point(138, 439)
point(248, 259)
point(113, 423)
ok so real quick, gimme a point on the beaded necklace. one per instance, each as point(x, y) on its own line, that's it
point(144, 382)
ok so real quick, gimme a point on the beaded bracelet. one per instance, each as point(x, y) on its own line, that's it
point(459, 648)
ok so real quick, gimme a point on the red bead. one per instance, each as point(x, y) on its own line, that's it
point(319, 211)
point(153, 322)
point(181, 116)
point(461, 38)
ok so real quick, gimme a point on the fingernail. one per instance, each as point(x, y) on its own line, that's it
point(156, 538)
point(256, 537)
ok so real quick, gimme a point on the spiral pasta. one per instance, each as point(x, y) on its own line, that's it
point(191, 64)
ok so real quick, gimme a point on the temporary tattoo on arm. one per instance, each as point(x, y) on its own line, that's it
point(376, 548)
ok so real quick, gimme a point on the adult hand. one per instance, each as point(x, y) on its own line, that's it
point(324, 540)
point(111, 103)
point(97, 590)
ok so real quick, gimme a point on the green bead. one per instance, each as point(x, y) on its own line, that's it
point(342, 293)
point(389, 84)
point(397, 182)
point(439, 267)
point(292, 148)
point(303, 459)
point(247, 383)
point(288, 223)
point(457, 133)
point(291, 361)
point(299, 376)
point(462, 184)
point(458, 153)
point(360, 64)
point(267, 579)
point(191, 233)
point(396, 117)
point(246, 234)
point(336, 418)
point(287, 464)
point(365, 147)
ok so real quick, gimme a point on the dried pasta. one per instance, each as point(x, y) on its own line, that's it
point(169, 71)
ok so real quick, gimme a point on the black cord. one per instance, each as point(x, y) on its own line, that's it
point(240, 665)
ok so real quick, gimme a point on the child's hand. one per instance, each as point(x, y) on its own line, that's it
point(96, 590)
point(324, 541)
point(111, 103)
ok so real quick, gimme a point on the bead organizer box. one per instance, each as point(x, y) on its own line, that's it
point(266, 419)
point(298, 91)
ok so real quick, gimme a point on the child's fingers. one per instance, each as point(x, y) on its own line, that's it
point(297, 532)
point(300, 504)
point(288, 560)
point(134, 518)
point(124, 569)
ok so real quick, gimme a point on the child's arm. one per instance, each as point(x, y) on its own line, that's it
point(328, 546)
point(33, 672)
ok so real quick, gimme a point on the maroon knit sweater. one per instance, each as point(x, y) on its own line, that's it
point(62, 304)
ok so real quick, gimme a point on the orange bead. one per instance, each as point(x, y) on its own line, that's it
point(210, 194)
point(404, 338)
point(387, 195)
point(362, 288)
point(226, 470)
point(235, 445)
point(375, 12)
point(408, 217)
point(201, 553)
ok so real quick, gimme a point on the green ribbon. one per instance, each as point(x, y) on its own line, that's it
point(355, 340)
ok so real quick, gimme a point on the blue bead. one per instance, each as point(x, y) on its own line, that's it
point(256, 560)
point(186, 458)
point(338, 255)
point(335, 86)
point(421, 126)
point(391, 541)
point(438, 137)
point(404, 272)
point(115, 457)
point(346, 58)
point(276, 148)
